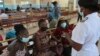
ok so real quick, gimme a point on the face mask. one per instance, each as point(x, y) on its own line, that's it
point(81, 13)
point(63, 25)
point(25, 40)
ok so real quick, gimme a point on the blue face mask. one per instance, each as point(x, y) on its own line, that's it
point(63, 25)
point(25, 40)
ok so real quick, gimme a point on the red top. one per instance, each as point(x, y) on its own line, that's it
point(59, 32)
point(1, 38)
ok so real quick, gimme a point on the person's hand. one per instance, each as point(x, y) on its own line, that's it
point(65, 35)
point(59, 50)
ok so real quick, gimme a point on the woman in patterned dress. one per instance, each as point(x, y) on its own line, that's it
point(18, 46)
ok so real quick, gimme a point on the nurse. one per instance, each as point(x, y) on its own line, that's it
point(87, 31)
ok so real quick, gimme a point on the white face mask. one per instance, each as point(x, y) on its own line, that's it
point(25, 40)
point(82, 14)
point(63, 25)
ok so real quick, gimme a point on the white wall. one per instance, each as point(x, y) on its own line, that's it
point(75, 5)
point(63, 3)
point(36, 3)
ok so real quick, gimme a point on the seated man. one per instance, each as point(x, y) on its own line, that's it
point(41, 40)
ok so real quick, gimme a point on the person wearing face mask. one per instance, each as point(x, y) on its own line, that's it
point(19, 46)
point(87, 32)
point(41, 39)
point(80, 14)
point(65, 48)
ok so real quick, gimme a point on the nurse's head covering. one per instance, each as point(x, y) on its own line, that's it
point(89, 4)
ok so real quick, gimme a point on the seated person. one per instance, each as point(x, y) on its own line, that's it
point(10, 34)
point(41, 40)
point(62, 27)
point(19, 46)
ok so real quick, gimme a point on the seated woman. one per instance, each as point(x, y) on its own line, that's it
point(10, 34)
point(62, 44)
point(18, 46)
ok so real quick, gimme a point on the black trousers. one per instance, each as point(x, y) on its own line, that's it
point(67, 51)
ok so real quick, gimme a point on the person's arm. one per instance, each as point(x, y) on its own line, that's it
point(78, 37)
point(75, 45)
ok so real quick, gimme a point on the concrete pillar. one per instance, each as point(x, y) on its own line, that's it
point(72, 4)
point(37, 3)
point(11, 4)
point(43, 3)
point(75, 4)
point(63, 3)
point(33, 2)
point(14, 4)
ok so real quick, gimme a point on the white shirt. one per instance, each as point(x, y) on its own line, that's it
point(87, 33)
point(4, 16)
